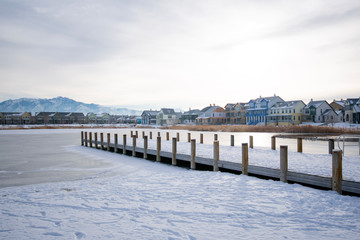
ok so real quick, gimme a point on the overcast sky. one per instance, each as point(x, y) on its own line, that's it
point(179, 53)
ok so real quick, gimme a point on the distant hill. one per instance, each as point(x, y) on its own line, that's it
point(60, 104)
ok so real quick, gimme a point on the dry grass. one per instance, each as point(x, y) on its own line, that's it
point(277, 129)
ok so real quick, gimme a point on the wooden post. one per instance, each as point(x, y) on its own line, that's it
point(283, 163)
point(131, 133)
point(336, 183)
point(173, 160)
point(232, 140)
point(115, 143)
point(158, 148)
point(245, 158)
point(178, 137)
point(159, 134)
point(145, 146)
point(299, 145)
point(216, 156)
point(90, 139)
point(143, 134)
point(96, 140)
point(101, 141)
point(331, 145)
point(108, 142)
point(82, 138)
point(273, 143)
point(215, 137)
point(251, 141)
point(86, 142)
point(134, 146)
point(189, 137)
point(201, 138)
point(124, 144)
point(136, 134)
point(150, 135)
point(193, 154)
point(167, 136)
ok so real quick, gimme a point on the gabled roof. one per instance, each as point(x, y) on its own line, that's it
point(316, 104)
point(287, 104)
point(168, 111)
point(150, 112)
point(192, 112)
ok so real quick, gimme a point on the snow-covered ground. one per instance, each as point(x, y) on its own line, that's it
point(149, 200)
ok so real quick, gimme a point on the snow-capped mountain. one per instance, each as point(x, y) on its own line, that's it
point(60, 104)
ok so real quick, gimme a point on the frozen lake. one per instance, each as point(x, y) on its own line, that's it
point(38, 156)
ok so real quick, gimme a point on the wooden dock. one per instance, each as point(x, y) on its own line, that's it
point(335, 182)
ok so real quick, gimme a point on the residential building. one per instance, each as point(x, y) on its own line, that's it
point(189, 117)
point(166, 116)
point(320, 112)
point(259, 109)
point(16, 118)
point(103, 118)
point(286, 113)
point(236, 113)
point(211, 115)
point(148, 117)
point(352, 110)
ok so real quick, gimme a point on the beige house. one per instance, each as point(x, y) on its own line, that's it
point(286, 113)
point(166, 116)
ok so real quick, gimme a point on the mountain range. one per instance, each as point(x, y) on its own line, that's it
point(60, 104)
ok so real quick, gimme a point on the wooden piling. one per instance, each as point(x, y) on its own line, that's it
point(115, 143)
point(86, 140)
point(331, 145)
point(251, 141)
point(336, 180)
point(273, 143)
point(167, 136)
point(131, 133)
point(232, 140)
point(283, 163)
point(150, 135)
point(299, 145)
point(178, 137)
point(245, 158)
point(193, 154)
point(108, 142)
point(134, 146)
point(215, 137)
point(216, 156)
point(101, 141)
point(82, 138)
point(173, 160)
point(201, 138)
point(124, 144)
point(145, 146)
point(96, 140)
point(159, 134)
point(136, 134)
point(158, 148)
point(189, 137)
point(143, 134)
point(90, 139)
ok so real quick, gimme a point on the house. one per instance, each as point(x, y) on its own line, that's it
point(236, 113)
point(43, 117)
point(259, 109)
point(286, 113)
point(189, 117)
point(75, 118)
point(211, 115)
point(103, 118)
point(149, 117)
point(320, 112)
point(15, 118)
point(166, 116)
point(352, 110)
